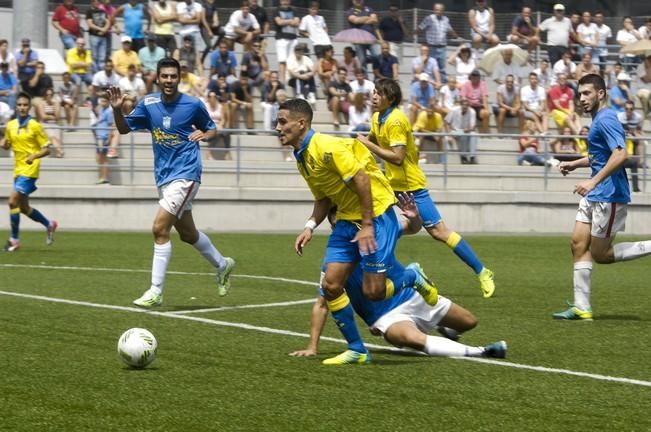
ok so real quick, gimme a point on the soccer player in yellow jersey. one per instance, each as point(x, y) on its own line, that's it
point(342, 172)
point(26, 138)
point(391, 139)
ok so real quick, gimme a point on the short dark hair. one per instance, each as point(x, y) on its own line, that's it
point(596, 80)
point(390, 89)
point(299, 107)
point(168, 62)
point(24, 95)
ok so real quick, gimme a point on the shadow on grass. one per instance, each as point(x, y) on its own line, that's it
point(619, 317)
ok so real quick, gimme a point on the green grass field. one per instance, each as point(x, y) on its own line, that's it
point(229, 370)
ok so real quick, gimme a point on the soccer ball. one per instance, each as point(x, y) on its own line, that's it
point(137, 347)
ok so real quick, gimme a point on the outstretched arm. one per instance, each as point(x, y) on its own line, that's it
point(117, 99)
point(317, 323)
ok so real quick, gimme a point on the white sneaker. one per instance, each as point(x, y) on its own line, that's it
point(552, 162)
point(311, 98)
point(149, 300)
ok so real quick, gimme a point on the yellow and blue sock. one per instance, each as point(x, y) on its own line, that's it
point(344, 317)
point(463, 250)
point(14, 219)
point(37, 216)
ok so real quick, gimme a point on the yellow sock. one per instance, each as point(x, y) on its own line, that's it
point(339, 303)
point(389, 289)
point(453, 240)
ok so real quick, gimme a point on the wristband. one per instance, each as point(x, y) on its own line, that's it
point(310, 224)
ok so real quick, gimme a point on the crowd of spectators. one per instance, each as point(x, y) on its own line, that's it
point(448, 90)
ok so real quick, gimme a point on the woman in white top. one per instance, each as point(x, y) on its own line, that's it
point(359, 114)
point(48, 113)
point(588, 36)
point(482, 25)
point(625, 36)
point(464, 61)
point(216, 113)
point(7, 57)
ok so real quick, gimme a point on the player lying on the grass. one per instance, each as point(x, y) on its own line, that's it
point(341, 171)
point(25, 136)
point(602, 210)
point(405, 319)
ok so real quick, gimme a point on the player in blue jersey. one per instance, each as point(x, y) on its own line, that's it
point(602, 210)
point(177, 123)
point(29, 143)
point(405, 319)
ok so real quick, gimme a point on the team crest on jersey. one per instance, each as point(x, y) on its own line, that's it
point(310, 161)
point(327, 157)
point(167, 122)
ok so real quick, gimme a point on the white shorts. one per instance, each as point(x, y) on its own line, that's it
point(284, 47)
point(424, 316)
point(176, 196)
point(607, 219)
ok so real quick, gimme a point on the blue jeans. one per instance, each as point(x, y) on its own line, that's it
point(78, 78)
point(10, 100)
point(360, 51)
point(69, 41)
point(98, 46)
point(438, 54)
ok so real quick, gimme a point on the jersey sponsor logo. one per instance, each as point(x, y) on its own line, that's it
point(165, 139)
point(151, 100)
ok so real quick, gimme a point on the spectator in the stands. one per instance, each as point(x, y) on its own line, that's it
point(269, 90)
point(362, 17)
point(587, 35)
point(37, 85)
point(436, 27)
point(255, 65)
point(605, 33)
point(422, 97)
point(482, 25)
point(66, 21)
point(508, 102)
point(392, 29)
point(475, 92)
point(314, 26)
point(628, 35)
point(561, 105)
point(189, 13)
point(448, 96)
point(287, 22)
point(301, 71)
point(98, 24)
point(575, 20)
point(102, 80)
point(586, 66)
point(564, 148)
point(339, 93)
point(359, 114)
point(8, 86)
point(69, 95)
point(223, 62)
point(543, 73)
point(351, 63)
point(461, 123)
point(241, 102)
point(133, 88)
point(210, 27)
point(115, 28)
point(26, 59)
point(424, 63)
point(385, 65)
point(361, 85)
point(528, 143)
point(163, 14)
point(326, 68)
point(565, 66)
point(217, 146)
point(524, 31)
point(260, 15)
point(621, 93)
point(533, 99)
point(80, 63)
point(558, 28)
point(134, 14)
point(6, 56)
point(190, 83)
point(124, 57)
point(188, 52)
point(506, 66)
point(220, 87)
point(644, 85)
point(242, 27)
point(464, 62)
point(431, 147)
point(149, 56)
point(48, 113)
point(632, 122)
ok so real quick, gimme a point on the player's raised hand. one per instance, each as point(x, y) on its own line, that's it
point(196, 135)
point(303, 353)
point(302, 240)
point(365, 239)
point(116, 97)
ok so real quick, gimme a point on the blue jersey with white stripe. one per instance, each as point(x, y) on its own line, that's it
point(369, 310)
point(607, 134)
point(170, 124)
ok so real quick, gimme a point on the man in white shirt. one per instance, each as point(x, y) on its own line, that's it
point(558, 29)
point(132, 87)
point(645, 30)
point(604, 34)
point(505, 67)
point(533, 100)
point(301, 71)
point(587, 35)
point(314, 27)
point(449, 96)
point(362, 85)
point(565, 66)
point(242, 27)
point(544, 75)
point(102, 80)
point(188, 14)
point(462, 120)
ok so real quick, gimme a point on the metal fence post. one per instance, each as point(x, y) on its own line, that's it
point(414, 23)
point(132, 159)
point(238, 163)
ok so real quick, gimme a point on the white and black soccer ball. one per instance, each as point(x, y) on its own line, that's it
point(137, 347)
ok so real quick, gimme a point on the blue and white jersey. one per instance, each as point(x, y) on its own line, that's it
point(170, 124)
point(607, 134)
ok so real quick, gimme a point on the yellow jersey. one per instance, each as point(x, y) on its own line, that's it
point(73, 56)
point(424, 123)
point(26, 139)
point(394, 131)
point(329, 163)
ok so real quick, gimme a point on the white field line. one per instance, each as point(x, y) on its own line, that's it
point(304, 335)
point(249, 306)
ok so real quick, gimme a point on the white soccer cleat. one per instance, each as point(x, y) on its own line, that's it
point(149, 300)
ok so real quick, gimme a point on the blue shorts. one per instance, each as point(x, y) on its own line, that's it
point(102, 146)
point(341, 250)
point(25, 185)
point(427, 209)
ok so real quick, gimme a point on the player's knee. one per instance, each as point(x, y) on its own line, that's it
point(331, 288)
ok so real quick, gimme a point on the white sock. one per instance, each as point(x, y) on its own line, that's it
point(582, 284)
point(162, 255)
point(209, 251)
point(442, 347)
point(632, 250)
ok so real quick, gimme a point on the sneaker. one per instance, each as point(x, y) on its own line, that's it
point(223, 277)
point(552, 162)
point(573, 313)
point(311, 98)
point(486, 282)
point(101, 181)
point(149, 300)
point(50, 232)
point(348, 357)
point(11, 245)
point(495, 350)
point(424, 286)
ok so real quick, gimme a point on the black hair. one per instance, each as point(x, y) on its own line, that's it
point(24, 95)
point(390, 89)
point(298, 106)
point(596, 80)
point(168, 62)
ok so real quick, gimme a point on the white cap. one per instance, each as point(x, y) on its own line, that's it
point(423, 77)
point(559, 6)
point(125, 38)
point(623, 76)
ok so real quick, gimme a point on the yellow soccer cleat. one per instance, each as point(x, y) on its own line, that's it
point(487, 282)
point(424, 286)
point(348, 357)
point(574, 314)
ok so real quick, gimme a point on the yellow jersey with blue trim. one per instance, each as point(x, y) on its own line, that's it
point(329, 163)
point(25, 138)
point(392, 130)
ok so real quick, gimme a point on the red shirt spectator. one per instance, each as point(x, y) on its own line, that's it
point(560, 97)
point(66, 21)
